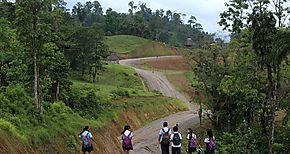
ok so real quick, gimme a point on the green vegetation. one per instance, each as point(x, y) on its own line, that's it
point(118, 90)
point(245, 82)
point(124, 44)
point(127, 46)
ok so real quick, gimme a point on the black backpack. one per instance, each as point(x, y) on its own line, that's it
point(176, 139)
point(165, 137)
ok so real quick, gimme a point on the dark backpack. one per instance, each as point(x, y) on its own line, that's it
point(211, 145)
point(165, 137)
point(176, 139)
point(86, 141)
point(127, 141)
point(192, 141)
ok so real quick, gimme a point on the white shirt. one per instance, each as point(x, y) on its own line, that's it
point(171, 139)
point(193, 135)
point(127, 132)
point(86, 133)
point(206, 140)
point(165, 130)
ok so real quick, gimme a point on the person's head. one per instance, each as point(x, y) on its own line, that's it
point(175, 129)
point(165, 124)
point(86, 128)
point(209, 133)
point(189, 131)
point(126, 127)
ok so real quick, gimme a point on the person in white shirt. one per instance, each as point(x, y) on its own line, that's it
point(176, 139)
point(87, 138)
point(164, 138)
point(210, 142)
point(192, 141)
point(127, 136)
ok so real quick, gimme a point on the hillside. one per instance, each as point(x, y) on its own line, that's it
point(127, 46)
point(118, 98)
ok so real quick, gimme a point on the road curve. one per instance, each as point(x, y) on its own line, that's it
point(145, 138)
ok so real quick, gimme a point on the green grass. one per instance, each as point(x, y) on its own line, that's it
point(118, 91)
point(124, 43)
point(127, 46)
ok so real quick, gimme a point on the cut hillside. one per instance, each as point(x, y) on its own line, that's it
point(116, 99)
point(127, 46)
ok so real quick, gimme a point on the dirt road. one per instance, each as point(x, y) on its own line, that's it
point(145, 139)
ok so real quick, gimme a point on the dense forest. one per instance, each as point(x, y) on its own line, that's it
point(246, 81)
point(45, 46)
point(60, 41)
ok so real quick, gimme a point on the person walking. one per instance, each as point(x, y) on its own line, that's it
point(210, 143)
point(176, 139)
point(127, 136)
point(87, 138)
point(164, 138)
point(192, 141)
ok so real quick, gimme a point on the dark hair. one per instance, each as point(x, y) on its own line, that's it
point(84, 129)
point(175, 128)
point(190, 133)
point(209, 133)
point(165, 124)
point(127, 127)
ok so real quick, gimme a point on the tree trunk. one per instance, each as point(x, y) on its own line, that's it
point(94, 74)
point(36, 85)
point(272, 98)
point(271, 141)
point(36, 67)
point(57, 92)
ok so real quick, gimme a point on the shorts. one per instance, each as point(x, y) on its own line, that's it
point(191, 149)
point(87, 149)
point(127, 147)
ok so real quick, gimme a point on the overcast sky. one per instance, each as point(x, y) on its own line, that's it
point(206, 11)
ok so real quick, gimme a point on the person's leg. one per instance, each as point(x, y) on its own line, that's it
point(166, 149)
point(178, 150)
point(174, 150)
point(163, 149)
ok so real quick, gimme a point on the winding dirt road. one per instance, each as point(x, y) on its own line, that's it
point(145, 138)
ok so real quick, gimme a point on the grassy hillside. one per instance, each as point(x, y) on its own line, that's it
point(118, 98)
point(127, 46)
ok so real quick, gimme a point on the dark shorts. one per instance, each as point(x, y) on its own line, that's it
point(87, 149)
point(191, 149)
point(127, 147)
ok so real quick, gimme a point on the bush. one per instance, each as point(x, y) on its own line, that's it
point(121, 92)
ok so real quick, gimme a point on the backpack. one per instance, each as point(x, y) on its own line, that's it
point(127, 141)
point(211, 145)
point(192, 141)
point(176, 139)
point(86, 140)
point(165, 137)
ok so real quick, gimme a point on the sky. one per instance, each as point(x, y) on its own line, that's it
point(206, 11)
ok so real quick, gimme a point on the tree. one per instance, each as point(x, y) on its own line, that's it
point(261, 20)
point(33, 33)
point(192, 20)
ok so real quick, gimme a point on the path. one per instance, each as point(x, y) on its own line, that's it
point(145, 138)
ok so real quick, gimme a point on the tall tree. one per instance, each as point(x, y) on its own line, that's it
point(261, 20)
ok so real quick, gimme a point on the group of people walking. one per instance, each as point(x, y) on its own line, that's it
point(167, 137)
point(173, 138)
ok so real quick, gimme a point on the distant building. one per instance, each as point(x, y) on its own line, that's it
point(113, 58)
point(188, 43)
